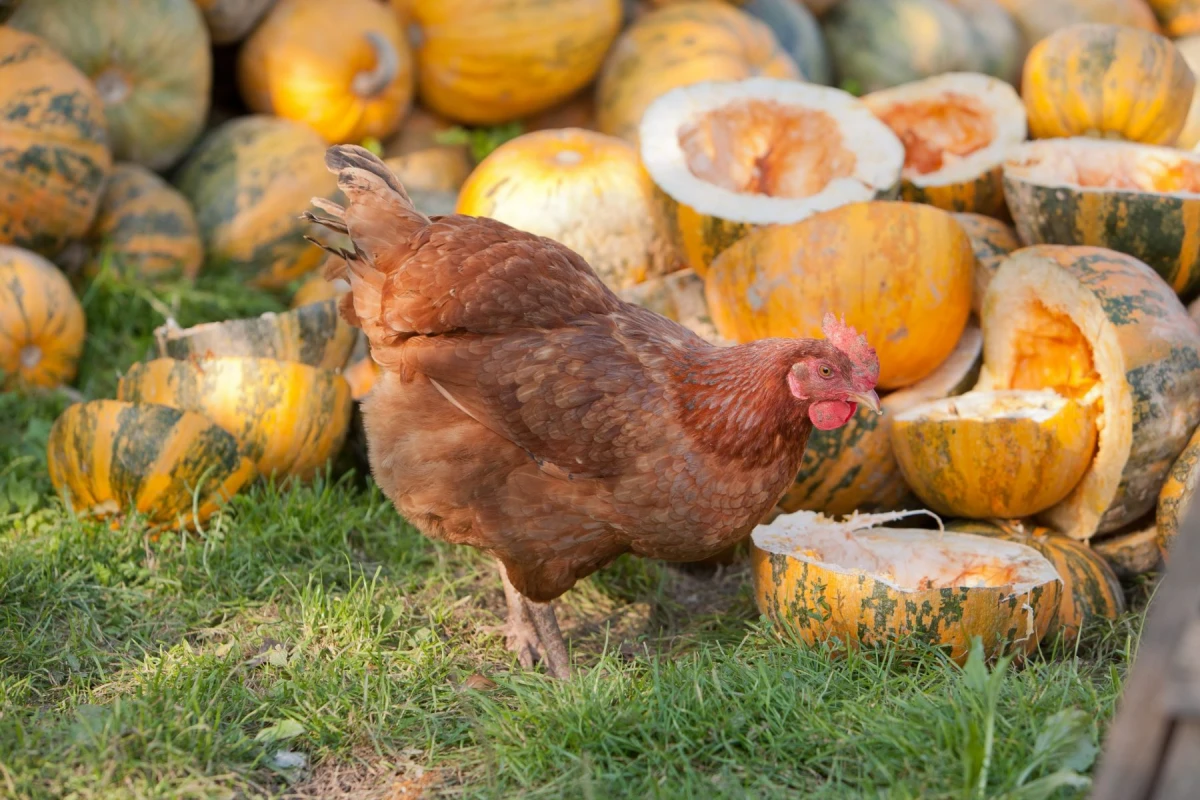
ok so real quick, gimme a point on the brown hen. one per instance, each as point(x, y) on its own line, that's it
point(524, 409)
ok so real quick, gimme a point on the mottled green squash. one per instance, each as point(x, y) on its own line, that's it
point(149, 60)
point(54, 155)
point(993, 241)
point(106, 457)
point(1132, 552)
point(798, 34)
point(314, 334)
point(1175, 497)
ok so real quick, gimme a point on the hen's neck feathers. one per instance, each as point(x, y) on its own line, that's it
point(736, 401)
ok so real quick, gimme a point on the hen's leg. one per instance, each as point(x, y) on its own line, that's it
point(554, 649)
point(520, 636)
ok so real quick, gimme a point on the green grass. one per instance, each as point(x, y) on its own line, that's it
point(315, 621)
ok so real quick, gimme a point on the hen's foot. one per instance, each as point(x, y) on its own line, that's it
point(554, 649)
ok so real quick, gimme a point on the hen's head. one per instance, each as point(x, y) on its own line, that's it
point(836, 376)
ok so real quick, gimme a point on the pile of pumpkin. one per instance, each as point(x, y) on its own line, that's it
point(742, 167)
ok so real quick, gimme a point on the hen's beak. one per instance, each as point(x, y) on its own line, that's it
point(868, 399)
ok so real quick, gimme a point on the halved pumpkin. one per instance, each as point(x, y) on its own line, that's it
point(42, 323)
point(678, 296)
point(176, 467)
point(900, 272)
point(678, 46)
point(999, 454)
point(852, 468)
point(289, 418)
point(144, 225)
point(1091, 323)
point(584, 189)
point(313, 334)
point(992, 241)
point(854, 584)
point(1132, 198)
point(732, 156)
point(1178, 17)
point(1108, 81)
point(1175, 497)
point(1132, 552)
point(956, 129)
point(1090, 589)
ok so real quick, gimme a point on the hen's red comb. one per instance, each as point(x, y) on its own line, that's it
point(854, 345)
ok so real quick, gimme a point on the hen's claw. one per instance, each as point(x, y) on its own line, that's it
point(520, 637)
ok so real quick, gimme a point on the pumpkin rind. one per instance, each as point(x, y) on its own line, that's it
point(1175, 497)
point(485, 63)
point(313, 334)
point(1092, 323)
point(992, 241)
point(42, 324)
point(289, 418)
point(1178, 17)
point(175, 467)
point(1132, 553)
point(1109, 81)
point(54, 155)
point(853, 468)
point(994, 454)
point(145, 225)
point(344, 69)
point(1107, 194)
point(781, 280)
point(230, 20)
point(679, 46)
point(249, 181)
point(1090, 589)
point(973, 118)
point(826, 601)
point(149, 60)
point(729, 157)
point(583, 189)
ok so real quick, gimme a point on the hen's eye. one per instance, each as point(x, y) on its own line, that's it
point(825, 371)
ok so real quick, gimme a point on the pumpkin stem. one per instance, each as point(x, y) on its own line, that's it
point(375, 81)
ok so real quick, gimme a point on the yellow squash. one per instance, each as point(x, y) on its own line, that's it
point(994, 454)
point(342, 68)
point(289, 418)
point(732, 156)
point(901, 273)
point(107, 457)
point(1108, 81)
point(583, 189)
point(853, 584)
point(1102, 328)
point(41, 322)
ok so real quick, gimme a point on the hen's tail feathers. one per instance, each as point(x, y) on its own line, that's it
point(379, 217)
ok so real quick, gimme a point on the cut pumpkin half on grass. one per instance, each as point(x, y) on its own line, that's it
point(852, 467)
point(106, 457)
point(994, 454)
point(1132, 198)
point(956, 129)
point(856, 584)
point(730, 156)
point(289, 418)
point(1098, 326)
point(313, 334)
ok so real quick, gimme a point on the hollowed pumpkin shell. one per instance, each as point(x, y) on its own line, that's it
point(1175, 497)
point(343, 68)
point(900, 272)
point(485, 63)
point(994, 454)
point(678, 46)
point(1109, 81)
point(106, 457)
point(729, 157)
point(581, 188)
point(852, 468)
point(1090, 589)
point(1094, 324)
point(150, 61)
point(249, 181)
point(289, 418)
point(1135, 199)
point(41, 322)
point(54, 155)
point(857, 585)
point(992, 241)
point(956, 129)
point(314, 334)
